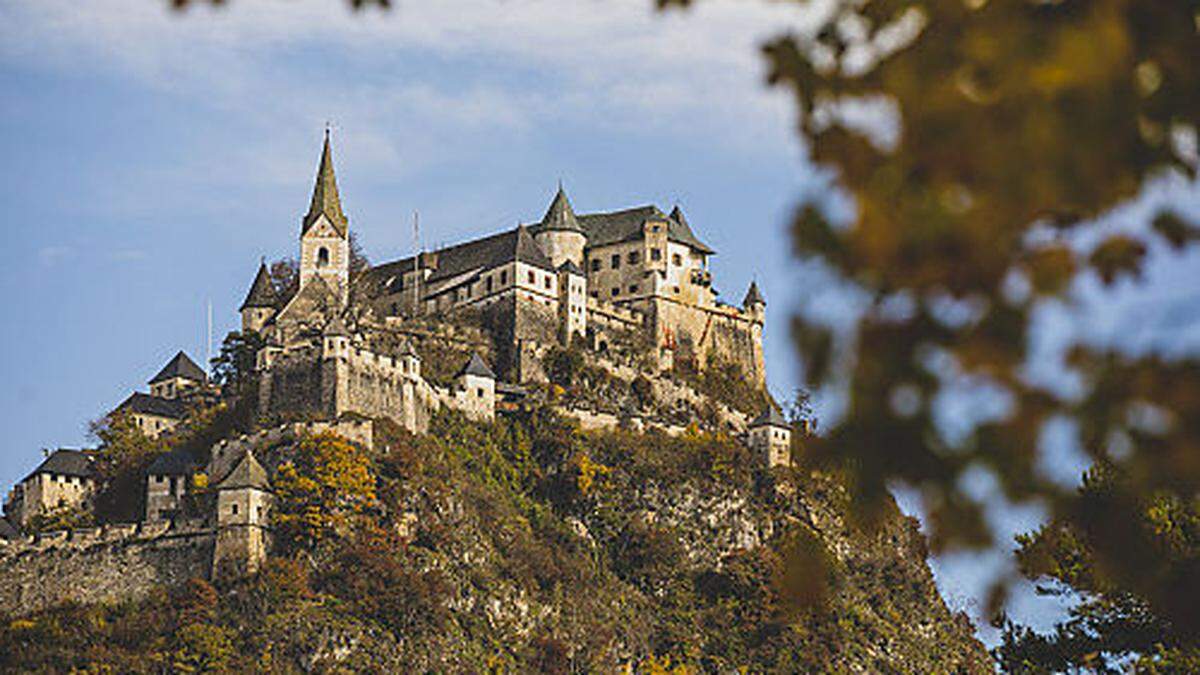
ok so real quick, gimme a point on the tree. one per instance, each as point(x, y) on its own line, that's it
point(123, 455)
point(1112, 624)
point(234, 367)
point(285, 279)
point(327, 480)
point(1016, 123)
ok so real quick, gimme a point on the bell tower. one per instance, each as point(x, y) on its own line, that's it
point(325, 233)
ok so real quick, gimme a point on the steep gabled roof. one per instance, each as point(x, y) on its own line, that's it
point(146, 404)
point(626, 225)
point(476, 366)
point(177, 462)
point(770, 417)
point(180, 366)
point(753, 296)
point(65, 462)
point(247, 474)
point(560, 215)
point(262, 293)
point(571, 268)
point(325, 200)
point(479, 254)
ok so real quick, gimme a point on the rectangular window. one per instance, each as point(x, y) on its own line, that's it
point(547, 282)
point(596, 265)
point(677, 260)
point(503, 277)
point(616, 292)
point(530, 276)
point(656, 254)
point(479, 392)
point(633, 288)
point(233, 509)
point(632, 257)
point(616, 261)
point(489, 284)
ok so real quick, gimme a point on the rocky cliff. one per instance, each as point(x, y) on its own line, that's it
point(526, 545)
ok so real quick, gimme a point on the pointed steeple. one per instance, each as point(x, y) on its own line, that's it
point(262, 293)
point(560, 215)
point(325, 198)
point(753, 297)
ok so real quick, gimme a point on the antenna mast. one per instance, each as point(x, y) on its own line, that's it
point(416, 262)
point(208, 342)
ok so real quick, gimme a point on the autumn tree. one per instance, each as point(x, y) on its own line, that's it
point(1113, 624)
point(1002, 131)
point(326, 481)
point(123, 455)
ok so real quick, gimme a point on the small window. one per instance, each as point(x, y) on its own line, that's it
point(616, 261)
point(322, 257)
point(595, 265)
point(676, 289)
point(547, 282)
point(616, 292)
point(479, 392)
point(488, 284)
point(596, 294)
point(233, 509)
point(633, 288)
point(503, 277)
point(530, 275)
point(632, 257)
point(656, 254)
point(677, 260)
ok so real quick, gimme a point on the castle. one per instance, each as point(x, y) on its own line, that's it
point(344, 348)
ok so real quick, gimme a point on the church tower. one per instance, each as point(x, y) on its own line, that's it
point(325, 233)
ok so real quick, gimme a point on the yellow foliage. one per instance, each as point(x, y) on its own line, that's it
point(589, 471)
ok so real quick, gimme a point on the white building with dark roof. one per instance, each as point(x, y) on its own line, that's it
point(65, 479)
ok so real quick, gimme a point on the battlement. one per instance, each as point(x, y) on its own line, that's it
point(84, 538)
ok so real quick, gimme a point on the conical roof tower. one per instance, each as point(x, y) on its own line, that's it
point(262, 293)
point(560, 215)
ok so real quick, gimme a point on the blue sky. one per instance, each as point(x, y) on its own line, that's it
point(152, 158)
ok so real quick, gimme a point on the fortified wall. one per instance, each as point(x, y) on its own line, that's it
point(101, 564)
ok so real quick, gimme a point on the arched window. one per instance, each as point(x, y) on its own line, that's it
point(322, 257)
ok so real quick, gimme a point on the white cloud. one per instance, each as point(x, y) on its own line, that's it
point(396, 79)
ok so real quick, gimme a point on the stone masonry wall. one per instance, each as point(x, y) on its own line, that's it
point(113, 563)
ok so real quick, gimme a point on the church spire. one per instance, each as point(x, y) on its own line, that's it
point(325, 199)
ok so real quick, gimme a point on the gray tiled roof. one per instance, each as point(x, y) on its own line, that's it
point(180, 366)
point(7, 531)
point(476, 366)
point(177, 462)
point(325, 198)
point(560, 215)
point(247, 474)
point(498, 249)
point(626, 225)
point(262, 293)
point(65, 462)
point(753, 296)
point(571, 268)
point(153, 405)
point(770, 417)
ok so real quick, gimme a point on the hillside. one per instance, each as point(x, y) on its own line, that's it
point(525, 545)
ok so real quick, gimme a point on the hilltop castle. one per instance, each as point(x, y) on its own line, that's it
point(634, 279)
point(341, 346)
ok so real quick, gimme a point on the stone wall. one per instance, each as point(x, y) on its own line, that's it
point(108, 564)
point(722, 331)
point(291, 385)
point(226, 453)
